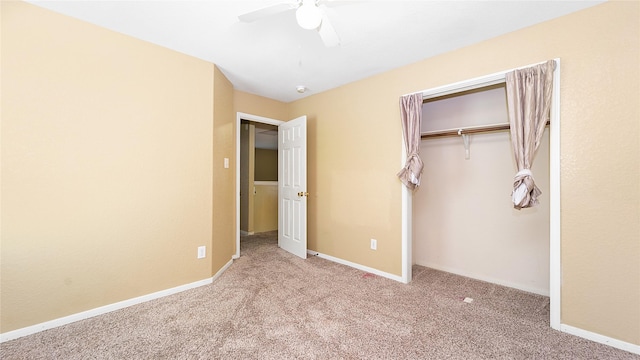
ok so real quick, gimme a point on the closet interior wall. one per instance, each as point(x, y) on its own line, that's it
point(463, 218)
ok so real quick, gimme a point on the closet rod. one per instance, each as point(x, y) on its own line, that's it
point(466, 131)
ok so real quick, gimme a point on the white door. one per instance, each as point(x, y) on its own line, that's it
point(292, 186)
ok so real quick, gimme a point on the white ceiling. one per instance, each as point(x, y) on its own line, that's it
point(271, 56)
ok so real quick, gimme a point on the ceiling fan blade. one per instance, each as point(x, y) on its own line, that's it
point(328, 33)
point(265, 12)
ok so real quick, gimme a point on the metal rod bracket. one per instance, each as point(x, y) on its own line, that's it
point(465, 140)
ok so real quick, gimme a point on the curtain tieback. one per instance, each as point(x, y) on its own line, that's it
point(524, 172)
point(522, 190)
point(414, 166)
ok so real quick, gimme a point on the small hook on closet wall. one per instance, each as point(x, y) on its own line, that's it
point(465, 140)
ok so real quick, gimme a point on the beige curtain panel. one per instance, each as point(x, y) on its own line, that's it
point(529, 103)
point(411, 116)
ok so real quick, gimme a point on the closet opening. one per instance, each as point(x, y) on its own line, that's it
point(465, 220)
point(464, 195)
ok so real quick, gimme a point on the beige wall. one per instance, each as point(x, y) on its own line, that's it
point(247, 160)
point(354, 194)
point(224, 179)
point(82, 177)
point(266, 166)
point(261, 106)
point(354, 152)
point(265, 214)
point(601, 170)
point(106, 167)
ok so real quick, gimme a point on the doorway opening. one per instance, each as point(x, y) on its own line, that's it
point(256, 198)
point(258, 177)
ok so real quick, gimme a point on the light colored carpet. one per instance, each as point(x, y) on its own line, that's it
point(271, 305)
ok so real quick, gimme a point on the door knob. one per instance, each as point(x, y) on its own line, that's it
point(301, 194)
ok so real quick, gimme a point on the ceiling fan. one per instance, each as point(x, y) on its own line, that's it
point(310, 15)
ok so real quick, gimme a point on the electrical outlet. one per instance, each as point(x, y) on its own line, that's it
point(226, 163)
point(202, 252)
point(374, 244)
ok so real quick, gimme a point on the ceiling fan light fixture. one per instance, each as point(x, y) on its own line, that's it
point(308, 15)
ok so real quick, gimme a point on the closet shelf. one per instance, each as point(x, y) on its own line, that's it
point(466, 130)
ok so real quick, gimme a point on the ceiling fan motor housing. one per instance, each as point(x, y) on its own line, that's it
point(309, 15)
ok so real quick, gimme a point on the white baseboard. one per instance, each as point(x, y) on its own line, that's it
point(356, 266)
point(223, 269)
point(543, 292)
point(29, 330)
point(245, 233)
point(11, 335)
point(618, 344)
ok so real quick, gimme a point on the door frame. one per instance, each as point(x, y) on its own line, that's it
point(555, 274)
point(253, 118)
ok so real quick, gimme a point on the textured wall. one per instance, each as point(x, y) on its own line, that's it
point(355, 143)
point(94, 185)
point(224, 179)
point(265, 212)
point(266, 165)
point(247, 157)
point(106, 167)
point(600, 169)
point(261, 106)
